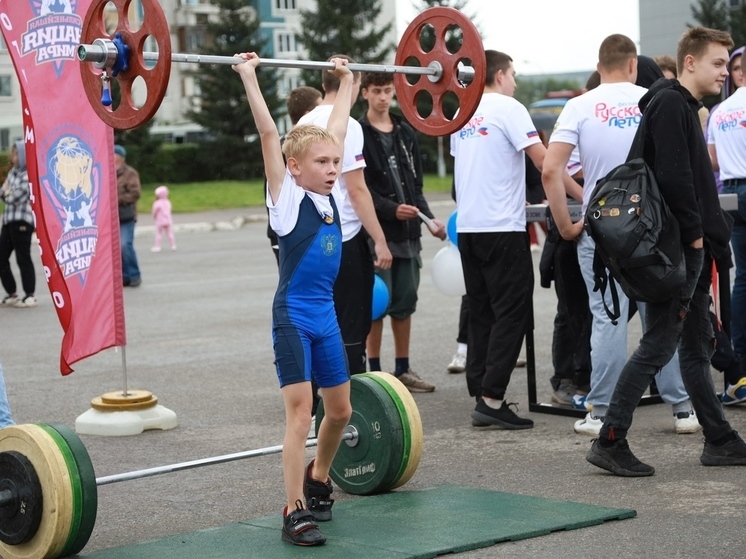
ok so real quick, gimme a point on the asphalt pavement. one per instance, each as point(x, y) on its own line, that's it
point(198, 337)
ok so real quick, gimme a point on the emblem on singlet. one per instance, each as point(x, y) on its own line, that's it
point(329, 244)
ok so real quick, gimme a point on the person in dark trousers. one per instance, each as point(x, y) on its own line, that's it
point(490, 175)
point(676, 151)
point(129, 190)
point(17, 231)
point(393, 174)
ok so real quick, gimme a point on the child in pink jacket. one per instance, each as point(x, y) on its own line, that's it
point(162, 215)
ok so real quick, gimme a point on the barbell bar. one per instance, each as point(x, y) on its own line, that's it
point(451, 76)
point(350, 437)
point(103, 53)
point(48, 489)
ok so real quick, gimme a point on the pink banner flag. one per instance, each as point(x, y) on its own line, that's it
point(70, 160)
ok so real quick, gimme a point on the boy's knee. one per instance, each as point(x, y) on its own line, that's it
point(340, 414)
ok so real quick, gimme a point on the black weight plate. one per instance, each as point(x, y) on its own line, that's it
point(19, 520)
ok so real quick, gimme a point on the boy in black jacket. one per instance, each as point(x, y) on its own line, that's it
point(393, 174)
point(675, 149)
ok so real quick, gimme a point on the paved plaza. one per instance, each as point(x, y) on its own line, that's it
point(198, 337)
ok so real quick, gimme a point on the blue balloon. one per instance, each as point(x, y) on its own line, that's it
point(451, 229)
point(380, 297)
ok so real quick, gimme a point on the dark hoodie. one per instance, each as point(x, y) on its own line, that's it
point(648, 72)
point(675, 149)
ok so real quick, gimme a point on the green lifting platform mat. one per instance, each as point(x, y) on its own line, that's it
point(402, 524)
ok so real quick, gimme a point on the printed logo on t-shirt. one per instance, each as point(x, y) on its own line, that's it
point(359, 157)
point(623, 115)
point(730, 120)
point(532, 134)
point(473, 129)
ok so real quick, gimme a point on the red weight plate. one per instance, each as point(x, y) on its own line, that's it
point(127, 115)
point(441, 18)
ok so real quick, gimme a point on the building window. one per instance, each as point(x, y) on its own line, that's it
point(286, 43)
point(3, 47)
point(4, 139)
point(5, 87)
point(285, 4)
point(735, 3)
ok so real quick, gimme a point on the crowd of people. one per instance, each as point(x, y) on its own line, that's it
point(345, 201)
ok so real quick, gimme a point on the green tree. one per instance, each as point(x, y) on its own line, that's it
point(343, 27)
point(234, 150)
point(718, 14)
point(711, 13)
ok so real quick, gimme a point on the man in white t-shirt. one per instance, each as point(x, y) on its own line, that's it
point(490, 177)
point(353, 290)
point(602, 124)
point(726, 138)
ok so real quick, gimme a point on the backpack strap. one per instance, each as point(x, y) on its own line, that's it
point(603, 280)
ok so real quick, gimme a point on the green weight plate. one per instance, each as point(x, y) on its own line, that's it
point(372, 464)
point(87, 484)
point(77, 491)
point(401, 410)
point(411, 419)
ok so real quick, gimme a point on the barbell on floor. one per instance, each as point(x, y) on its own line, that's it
point(458, 75)
point(48, 489)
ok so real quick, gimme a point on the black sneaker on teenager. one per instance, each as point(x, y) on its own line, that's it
point(732, 453)
point(618, 459)
point(318, 496)
point(503, 417)
point(300, 528)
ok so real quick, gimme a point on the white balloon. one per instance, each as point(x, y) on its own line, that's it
point(447, 273)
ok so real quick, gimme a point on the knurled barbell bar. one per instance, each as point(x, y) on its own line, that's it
point(120, 56)
point(48, 489)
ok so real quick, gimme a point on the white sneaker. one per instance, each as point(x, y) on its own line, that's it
point(27, 301)
point(9, 301)
point(589, 425)
point(458, 363)
point(686, 423)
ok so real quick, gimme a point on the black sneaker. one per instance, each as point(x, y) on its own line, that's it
point(618, 459)
point(503, 417)
point(732, 453)
point(318, 496)
point(300, 528)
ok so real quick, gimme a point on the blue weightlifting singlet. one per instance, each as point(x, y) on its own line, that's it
point(305, 330)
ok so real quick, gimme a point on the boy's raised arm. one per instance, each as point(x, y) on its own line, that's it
point(340, 116)
point(274, 164)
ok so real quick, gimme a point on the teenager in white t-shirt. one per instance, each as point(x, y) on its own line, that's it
point(602, 124)
point(354, 286)
point(726, 136)
point(490, 176)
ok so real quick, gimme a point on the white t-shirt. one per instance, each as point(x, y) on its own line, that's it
point(353, 159)
point(490, 167)
point(283, 215)
point(602, 124)
point(727, 131)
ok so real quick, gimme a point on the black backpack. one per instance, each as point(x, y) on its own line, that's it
point(637, 238)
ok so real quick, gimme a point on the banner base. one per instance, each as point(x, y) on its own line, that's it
point(125, 418)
